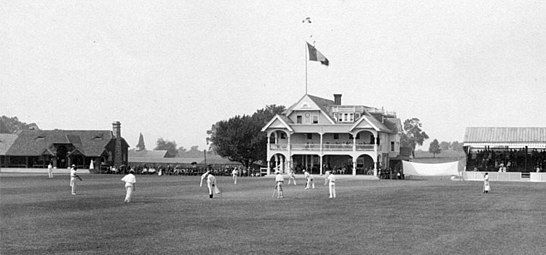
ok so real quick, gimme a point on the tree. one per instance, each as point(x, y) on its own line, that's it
point(413, 135)
point(445, 145)
point(12, 125)
point(456, 146)
point(434, 147)
point(170, 146)
point(240, 138)
point(140, 146)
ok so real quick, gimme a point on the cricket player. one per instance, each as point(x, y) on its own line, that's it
point(291, 176)
point(279, 180)
point(211, 183)
point(309, 179)
point(486, 186)
point(326, 174)
point(50, 170)
point(130, 181)
point(234, 173)
point(73, 177)
point(332, 184)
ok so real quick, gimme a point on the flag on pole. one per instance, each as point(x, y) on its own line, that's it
point(315, 55)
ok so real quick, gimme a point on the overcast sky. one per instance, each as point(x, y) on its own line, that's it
point(171, 69)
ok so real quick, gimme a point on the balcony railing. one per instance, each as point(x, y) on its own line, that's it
point(325, 147)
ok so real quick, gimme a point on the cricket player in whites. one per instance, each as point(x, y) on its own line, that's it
point(326, 176)
point(50, 170)
point(73, 177)
point(309, 179)
point(279, 180)
point(234, 173)
point(291, 176)
point(332, 185)
point(130, 181)
point(486, 186)
point(211, 183)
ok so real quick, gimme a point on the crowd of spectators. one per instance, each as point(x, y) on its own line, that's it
point(170, 169)
point(507, 160)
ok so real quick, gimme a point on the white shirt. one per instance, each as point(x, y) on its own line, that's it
point(210, 178)
point(72, 174)
point(279, 178)
point(306, 175)
point(129, 180)
point(234, 172)
point(332, 178)
point(49, 167)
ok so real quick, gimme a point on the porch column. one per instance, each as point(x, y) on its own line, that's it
point(321, 134)
point(354, 165)
point(276, 162)
point(268, 167)
point(354, 143)
point(289, 147)
point(320, 158)
point(375, 148)
point(268, 144)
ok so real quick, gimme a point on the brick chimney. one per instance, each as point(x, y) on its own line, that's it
point(118, 151)
point(116, 128)
point(337, 99)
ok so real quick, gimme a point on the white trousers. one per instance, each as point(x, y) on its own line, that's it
point(235, 179)
point(129, 193)
point(332, 190)
point(50, 172)
point(73, 185)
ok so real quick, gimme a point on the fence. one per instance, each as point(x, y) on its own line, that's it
point(537, 177)
point(493, 176)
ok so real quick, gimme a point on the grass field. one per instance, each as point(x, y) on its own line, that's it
point(172, 215)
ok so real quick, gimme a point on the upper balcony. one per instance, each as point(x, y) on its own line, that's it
point(325, 147)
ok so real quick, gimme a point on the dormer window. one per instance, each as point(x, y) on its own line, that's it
point(315, 119)
point(299, 119)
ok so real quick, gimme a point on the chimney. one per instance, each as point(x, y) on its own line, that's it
point(337, 99)
point(116, 128)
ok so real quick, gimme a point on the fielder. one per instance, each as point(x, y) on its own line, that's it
point(279, 180)
point(326, 177)
point(130, 181)
point(234, 173)
point(486, 186)
point(309, 179)
point(73, 177)
point(332, 185)
point(50, 170)
point(291, 176)
point(211, 183)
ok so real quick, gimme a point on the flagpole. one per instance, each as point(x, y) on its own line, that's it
point(306, 68)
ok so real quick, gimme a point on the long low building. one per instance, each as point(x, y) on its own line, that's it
point(519, 149)
point(62, 148)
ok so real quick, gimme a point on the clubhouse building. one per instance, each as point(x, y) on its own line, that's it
point(319, 134)
point(62, 148)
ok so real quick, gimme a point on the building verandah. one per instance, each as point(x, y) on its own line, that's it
point(346, 153)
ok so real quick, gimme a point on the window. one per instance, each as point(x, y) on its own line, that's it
point(336, 136)
point(298, 119)
point(392, 146)
point(309, 136)
point(315, 119)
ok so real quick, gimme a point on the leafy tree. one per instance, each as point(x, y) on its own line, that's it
point(445, 145)
point(12, 125)
point(240, 138)
point(434, 147)
point(170, 146)
point(141, 146)
point(413, 135)
point(456, 146)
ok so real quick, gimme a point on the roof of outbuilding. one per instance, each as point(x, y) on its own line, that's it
point(505, 135)
point(6, 140)
point(35, 142)
point(147, 154)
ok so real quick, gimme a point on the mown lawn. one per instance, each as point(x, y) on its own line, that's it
point(172, 215)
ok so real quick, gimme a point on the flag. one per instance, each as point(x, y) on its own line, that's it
point(315, 55)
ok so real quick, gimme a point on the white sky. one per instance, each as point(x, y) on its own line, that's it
point(171, 69)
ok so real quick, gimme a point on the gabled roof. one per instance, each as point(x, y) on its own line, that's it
point(282, 119)
point(6, 140)
point(322, 104)
point(377, 125)
point(34, 142)
point(505, 135)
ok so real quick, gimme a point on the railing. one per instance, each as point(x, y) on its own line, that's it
point(278, 147)
point(338, 147)
point(306, 147)
point(325, 147)
point(537, 177)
